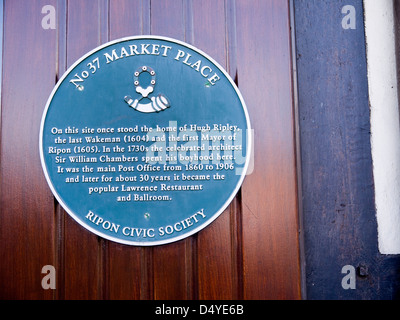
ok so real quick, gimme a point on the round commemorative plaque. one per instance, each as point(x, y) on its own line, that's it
point(145, 140)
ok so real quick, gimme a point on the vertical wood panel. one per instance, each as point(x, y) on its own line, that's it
point(128, 18)
point(168, 18)
point(207, 265)
point(83, 261)
point(60, 213)
point(124, 272)
point(83, 29)
point(215, 258)
point(209, 28)
point(270, 240)
point(27, 208)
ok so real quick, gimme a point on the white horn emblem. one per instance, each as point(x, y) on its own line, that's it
point(157, 104)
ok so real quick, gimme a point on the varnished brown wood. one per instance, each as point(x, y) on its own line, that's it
point(269, 194)
point(128, 18)
point(27, 207)
point(250, 251)
point(83, 262)
point(215, 256)
point(124, 272)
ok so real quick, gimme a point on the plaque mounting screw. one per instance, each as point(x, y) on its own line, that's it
point(147, 215)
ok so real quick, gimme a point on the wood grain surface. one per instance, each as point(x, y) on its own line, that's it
point(250, 252)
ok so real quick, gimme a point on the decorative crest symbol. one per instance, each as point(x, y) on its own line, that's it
point(157, 104)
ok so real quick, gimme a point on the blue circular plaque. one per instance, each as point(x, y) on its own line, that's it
point(145, 140)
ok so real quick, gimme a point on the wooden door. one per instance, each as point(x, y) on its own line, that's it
point(250, 252)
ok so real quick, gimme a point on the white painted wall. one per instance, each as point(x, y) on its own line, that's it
point(385, 124)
